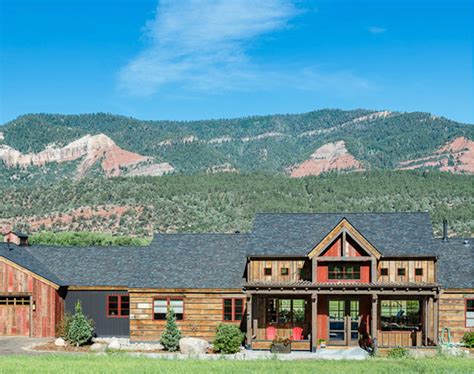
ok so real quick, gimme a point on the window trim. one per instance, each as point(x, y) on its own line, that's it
point(286, 273)
point(265, 271)
point(465, 312)
point(419, 270)
point(382, 271)
point(404, 272)
point(344, 265)
point(233, 309)
point(119, 305)
point(167, 298)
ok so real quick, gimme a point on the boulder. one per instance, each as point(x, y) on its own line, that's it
point(193, 346)
point(60, 342)
point(98, 347)
point(114, 344)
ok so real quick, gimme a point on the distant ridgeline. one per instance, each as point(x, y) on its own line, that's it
point(41, 148)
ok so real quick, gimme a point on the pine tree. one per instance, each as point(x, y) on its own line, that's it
point(80, 328)
point(171, 335)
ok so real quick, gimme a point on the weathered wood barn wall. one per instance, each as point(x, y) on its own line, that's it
point(452, 312)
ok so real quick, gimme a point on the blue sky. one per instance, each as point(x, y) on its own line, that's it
point(226, 58)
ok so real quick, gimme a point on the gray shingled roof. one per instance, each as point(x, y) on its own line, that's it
point(170, 261)
point(456, 263)
point(393, 234)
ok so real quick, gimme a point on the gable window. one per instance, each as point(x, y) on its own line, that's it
point(161, 306)
point(268, 271)
point(284, 271)
point(343, 271)
point(15, 300)
point(401, 271)
point(118, 306)
point(233, 309)
point(470, 313)
point(384, 271)
point(419, 271)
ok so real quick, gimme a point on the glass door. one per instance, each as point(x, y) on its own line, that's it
point(343, 322)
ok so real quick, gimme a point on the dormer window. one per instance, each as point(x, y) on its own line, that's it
point(384, 271)
point(284, 271)
point(419, 271)
point(401, 272)
point(343, 271)
point(268, 271)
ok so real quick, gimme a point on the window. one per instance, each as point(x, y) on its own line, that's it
point(343, 271)
point(419, 271)
point(286, 310)
point(233, 310)
point(384, 271)
point(15, 300)
point(161, 306)
point(470, 313)
point(400, 315)
point(284, 271)
point(268, 271)
point(401, 271)
point(118, 306)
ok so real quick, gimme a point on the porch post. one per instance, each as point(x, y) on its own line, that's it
point(249, 321)
point(373, 322)
point(314, 321)
point(425, 321)
point(435, 319)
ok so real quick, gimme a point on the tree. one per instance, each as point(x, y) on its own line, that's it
point(80, 328)
point(171, 335)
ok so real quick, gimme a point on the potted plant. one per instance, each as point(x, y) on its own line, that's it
point(322, 343)
point(280, 345)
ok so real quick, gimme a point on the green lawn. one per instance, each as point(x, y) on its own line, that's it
point(125, 364)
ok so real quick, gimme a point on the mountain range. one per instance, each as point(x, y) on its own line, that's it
point(39, 148)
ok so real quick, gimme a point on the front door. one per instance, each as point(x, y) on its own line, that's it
point(343, 321)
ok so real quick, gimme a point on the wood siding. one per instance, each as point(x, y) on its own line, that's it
point(202, 313)
point(15, 320)
point(428, 266)
point(452, 313)
point(257, 270)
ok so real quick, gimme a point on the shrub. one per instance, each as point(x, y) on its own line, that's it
point(468, 339)
point(398, 352)
point(62, 327)
point(229, 338)
point(171, 335)
point(80, 328)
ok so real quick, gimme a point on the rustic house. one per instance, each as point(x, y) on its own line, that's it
point(334, 276)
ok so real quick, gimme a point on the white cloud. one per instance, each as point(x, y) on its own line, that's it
point(205, 46)
point(377, 30)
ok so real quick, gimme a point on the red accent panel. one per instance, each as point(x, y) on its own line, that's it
point(365, 272)
point(334, 250)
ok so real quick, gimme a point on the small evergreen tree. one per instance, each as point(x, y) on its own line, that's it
point(80, 328)
point(228, 338)
point(171, 335)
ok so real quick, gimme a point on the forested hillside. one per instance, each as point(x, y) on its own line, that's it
point(272, 144)
point(228, 202)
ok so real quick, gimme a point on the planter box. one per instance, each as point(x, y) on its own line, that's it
point(280, 348)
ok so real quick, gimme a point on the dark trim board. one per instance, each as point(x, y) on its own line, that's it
point(94, 305)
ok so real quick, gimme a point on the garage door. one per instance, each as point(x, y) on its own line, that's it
point(15, 315)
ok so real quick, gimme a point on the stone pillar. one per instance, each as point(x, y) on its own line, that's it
point(314, 321)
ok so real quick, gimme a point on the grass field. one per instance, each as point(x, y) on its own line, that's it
point(125, 364)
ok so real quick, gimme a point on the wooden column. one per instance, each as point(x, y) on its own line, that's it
point(249, 321)
point(436, 319)
point(373, 270)
point(314, 321)
point(374, 321)
point(426, 321)
point(314, 269)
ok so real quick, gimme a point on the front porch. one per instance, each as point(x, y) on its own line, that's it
point(341, 315)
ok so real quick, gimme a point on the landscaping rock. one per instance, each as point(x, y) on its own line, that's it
point(98, 347)
point(60, 342)
point(193, 346)
point(453, 351)
point(114, 344)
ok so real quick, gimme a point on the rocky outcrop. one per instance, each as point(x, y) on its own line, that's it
point(456, 156)
point(92, 149)
point(331, 156)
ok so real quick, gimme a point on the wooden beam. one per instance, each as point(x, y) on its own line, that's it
point(425, 321)
point(314, 321)
point(339, 259)
point(338, 291)
point(435, 319)
point(344, 244)
point(374, 321)
point(249, 321)
point(373, 270)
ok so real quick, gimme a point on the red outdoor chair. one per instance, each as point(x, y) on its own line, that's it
point(297, 333)
point(271, 333)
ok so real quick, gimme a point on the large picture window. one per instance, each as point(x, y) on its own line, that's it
point(343, 271)
point(400, 315)
point(286, 310)
point(118, 306)
point(470, 313)
point(233, 309)
point(161, 306)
